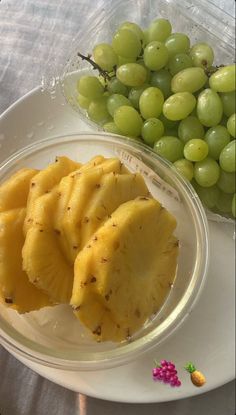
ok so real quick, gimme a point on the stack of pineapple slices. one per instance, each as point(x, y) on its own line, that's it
point(89, 235)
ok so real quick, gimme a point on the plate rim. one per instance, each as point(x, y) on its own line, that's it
point(42, 370)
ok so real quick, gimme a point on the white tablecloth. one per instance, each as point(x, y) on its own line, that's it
point(34, 39)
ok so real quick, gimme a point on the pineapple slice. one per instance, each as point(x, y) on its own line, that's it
point(85, 183)
point(70, 224)
point(14, 191)
point(113, 190)
point(65, 189)
point(46, 248)
point(46, 265)
point(166, 272)
point(93, 162)
point(15, 289)
point(44, 182)
point(66, 186)
point(115, 275)
point(43, 259)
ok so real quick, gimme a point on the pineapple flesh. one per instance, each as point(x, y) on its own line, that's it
point(48, 249)
point(121, 277)
point(90, 235)
point(43, 259)
point(14, 191)
point(112, 191)
point(15, 289)
point(86, 182)
point(65, 189)
point(45, 180)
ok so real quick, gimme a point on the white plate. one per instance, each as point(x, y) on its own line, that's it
point(206, 338)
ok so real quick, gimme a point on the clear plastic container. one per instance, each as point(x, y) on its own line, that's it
point(53, 336)
point(201, 20)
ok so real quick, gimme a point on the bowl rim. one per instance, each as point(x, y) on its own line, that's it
point(27, 348)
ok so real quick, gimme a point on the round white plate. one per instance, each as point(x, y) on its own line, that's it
point(206, 338)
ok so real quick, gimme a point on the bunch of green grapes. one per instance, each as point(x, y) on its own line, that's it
point(155, 87)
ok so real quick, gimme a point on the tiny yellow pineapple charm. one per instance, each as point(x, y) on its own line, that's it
point(197, 378)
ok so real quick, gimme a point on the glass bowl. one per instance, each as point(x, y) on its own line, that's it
point(53, 336)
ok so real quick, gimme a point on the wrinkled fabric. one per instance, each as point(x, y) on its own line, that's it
point(35, 37)
point(23, 392)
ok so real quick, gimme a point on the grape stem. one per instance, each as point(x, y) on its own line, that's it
point(156, 363)
point(210, 71)
point(95, 66)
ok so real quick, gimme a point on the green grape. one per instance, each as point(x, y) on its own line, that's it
point(190, 128)
point(134, 28)
point(194, 112)
point(169, 147)
point(135, 93)
point(179, 62)
point(110, 127)
point(195, 149)
point(152, 130)
point(231, 125)
point(209, 108)
point(126, 43)
point(184, 167)
point(224, 202)
point(155, 55)
point(168, 123)
point(206, 172)
point(224, 121)
point(234, 206)
point(97, 111)
point(159, 30)
point(128, 120)
point(208, 195)
point(83, 101)
point(116, 87)
point(132, 74)
point(228, 100)
point(226, 182)
point(122, 60)
point(223, 80)
point(115, 101)
point(90, 87)
point(197, 93)
point(162, 80)
point(217, 138)
point(151, 103)
point(141, 62)
point(179, 106)
point(177, 43)
point(190, 80)
point(227, 157)
point(146, 37)
point(105, 56)
point(202, 55)
point(171, 131)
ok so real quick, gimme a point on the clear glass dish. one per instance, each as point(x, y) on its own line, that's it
point(52, 336)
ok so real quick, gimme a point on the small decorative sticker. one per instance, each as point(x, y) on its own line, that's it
point(197, 378)
point(166, 372)
point(135, 164)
